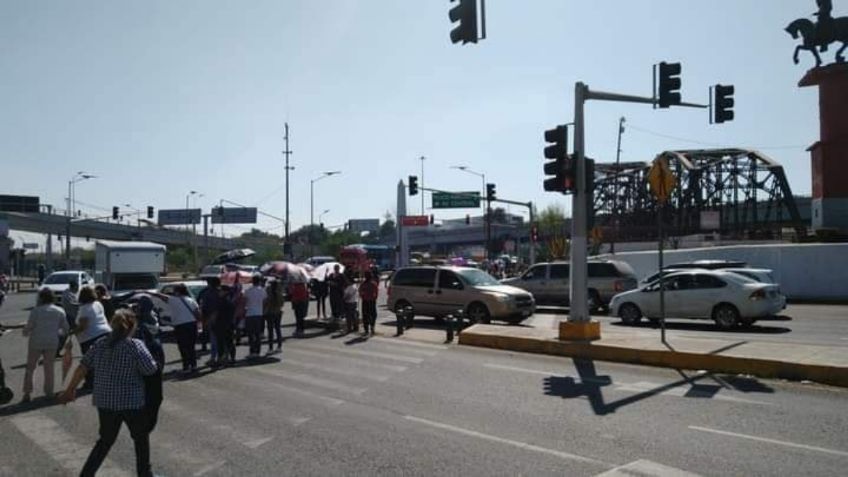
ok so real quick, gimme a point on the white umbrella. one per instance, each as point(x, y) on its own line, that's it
point(320, 272)
point(297, 274)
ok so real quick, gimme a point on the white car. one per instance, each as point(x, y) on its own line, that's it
point(725, 297)
point(762, 275)
point(58, 282)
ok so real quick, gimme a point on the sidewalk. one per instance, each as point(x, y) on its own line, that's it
point(823, 364)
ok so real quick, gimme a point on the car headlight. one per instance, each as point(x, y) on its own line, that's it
point(503, 297)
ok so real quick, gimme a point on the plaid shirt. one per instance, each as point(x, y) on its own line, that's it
point(118, 373)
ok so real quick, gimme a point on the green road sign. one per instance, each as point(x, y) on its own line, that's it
point(456, 200)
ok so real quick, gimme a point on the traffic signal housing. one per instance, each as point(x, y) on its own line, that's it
point(534, 233)
point(561, 169)
point(465, 12)
point(723, 104)
point(413, 185)
point(149, 211)
point(491, 192)
point(115, 213)
point(669, 84)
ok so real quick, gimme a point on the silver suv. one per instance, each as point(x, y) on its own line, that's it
point(548, 282)
point(438, 291)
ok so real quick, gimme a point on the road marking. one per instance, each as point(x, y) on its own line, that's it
point(330, 401)
point(207, 389)
point(341, 371)
point(210, 468)
point(61, 446)
point(407, 342)
point(310, 380)
point(501, 440)
point(646, 468)
point(771, 441)
point(390, 367)
point(540, 373)
point(247, 440)
point(371, 354)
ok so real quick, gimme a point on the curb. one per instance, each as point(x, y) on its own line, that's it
point(764, 368)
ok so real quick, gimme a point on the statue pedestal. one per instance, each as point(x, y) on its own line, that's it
point(829, 155)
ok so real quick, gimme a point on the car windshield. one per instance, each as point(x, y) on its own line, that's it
point(62, 278)
point(477, 277)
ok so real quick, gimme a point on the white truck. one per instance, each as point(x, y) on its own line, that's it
point(128, 266)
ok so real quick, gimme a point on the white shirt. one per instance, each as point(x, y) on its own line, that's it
point(97, 323)
point(255, 298)
point(350, 294)
point(183, 309)
point(43, 326)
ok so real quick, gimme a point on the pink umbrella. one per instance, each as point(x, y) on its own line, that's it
point(285, 271)
point(231, 278)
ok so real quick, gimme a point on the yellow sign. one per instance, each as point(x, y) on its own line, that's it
point(661, 180)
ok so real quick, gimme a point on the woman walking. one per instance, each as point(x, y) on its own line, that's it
point(120, 363)
point(223, 327)
point(369, 290)
point(46, 322)
point(320, 288)
point(185, 314)
point(349, 302)
point(274, 315)
point(91, 325)
point(147, 330)
point(105, 300)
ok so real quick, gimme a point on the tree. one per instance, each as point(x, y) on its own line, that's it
point(552, 233)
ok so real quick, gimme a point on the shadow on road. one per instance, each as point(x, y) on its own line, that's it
point(38, 402)
point(708, 327)
point(590, 385)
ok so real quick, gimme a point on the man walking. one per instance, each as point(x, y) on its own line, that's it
point(255, 298)
point(210, 304)
point(300, 305)
point(369, 291)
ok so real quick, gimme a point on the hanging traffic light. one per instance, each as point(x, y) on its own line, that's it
point(413, 185)
point(491, 192)
point(561, 169)
point(115, 213)
point(466, 14)
point(149, 211)
point(723, 103)
point(669, 84)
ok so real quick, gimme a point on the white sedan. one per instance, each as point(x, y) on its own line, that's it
point(727, 298)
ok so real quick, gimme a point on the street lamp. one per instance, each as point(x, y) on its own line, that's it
point(488, 207)
point(321, 216)
point(78, 177)
point(312, 182)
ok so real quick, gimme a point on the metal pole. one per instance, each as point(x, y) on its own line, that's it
point(615, 216)
point(530, 241)
point(422, 184)
point(311, 213)
point(660, 207)
point(49, 244)
point(287, 152)
point(206, 237)
point(579, 306)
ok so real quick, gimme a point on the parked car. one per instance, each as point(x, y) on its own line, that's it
point(702, 264)
point(439, 291)
point(762, 275)
point(58, 282)
point(318, 261)
point(725, 297)
point(549, 282)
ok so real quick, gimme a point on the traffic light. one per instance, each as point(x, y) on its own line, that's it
point(467, 219)
point(413, 185)
point(723, 103)
point(432, 219)
point(491, 192)
point(149, 211)
point(669, 84)
point(534, 233)
point(562, 167)
point(465, 12)
point(115, 213)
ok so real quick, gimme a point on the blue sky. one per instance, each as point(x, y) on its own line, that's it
point(161, 97)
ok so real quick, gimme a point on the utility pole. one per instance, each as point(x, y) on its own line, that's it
point(615, 215)
point(422, 183)
point(288, 153)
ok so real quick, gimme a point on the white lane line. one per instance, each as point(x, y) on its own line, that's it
point(501, 440)
point(646, 468)
point(208, 389)
point(406, 342)
point(59, 445)
point(539, 372)
point(225, 428)
point(310, 380)
point(209, 468)
point(330, 401)
point(771, 441)
point(333, 370)
point(359, 352)
point(315, 354)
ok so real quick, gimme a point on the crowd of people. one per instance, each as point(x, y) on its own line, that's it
point(123, 358)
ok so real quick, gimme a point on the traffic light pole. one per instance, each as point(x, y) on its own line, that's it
point(579, 325)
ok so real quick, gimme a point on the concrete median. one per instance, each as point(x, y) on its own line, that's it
point(822, 364)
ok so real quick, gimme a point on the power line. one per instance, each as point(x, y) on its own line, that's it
point(702, 143)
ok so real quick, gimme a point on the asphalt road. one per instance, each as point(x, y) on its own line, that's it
point(345, 405)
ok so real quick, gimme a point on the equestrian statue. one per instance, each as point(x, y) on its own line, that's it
point(817, 36)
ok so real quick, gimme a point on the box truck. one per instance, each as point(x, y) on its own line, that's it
point(128, 266)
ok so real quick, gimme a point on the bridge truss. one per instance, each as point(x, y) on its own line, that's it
point(747, 189)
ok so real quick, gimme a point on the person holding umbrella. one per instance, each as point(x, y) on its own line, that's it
point(299, 294)
point(46, 322)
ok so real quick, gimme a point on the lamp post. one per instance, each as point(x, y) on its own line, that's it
point(321, 216)
point(487, 210)
point(193, 237)
point(312, 182)
point(78, 177)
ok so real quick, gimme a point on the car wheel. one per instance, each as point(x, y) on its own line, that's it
point(726, 316)
point(630, 314)
point(478, 313)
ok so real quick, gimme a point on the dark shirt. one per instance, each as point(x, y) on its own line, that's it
point(226, 315)
point(210, 302)
point(320, 288)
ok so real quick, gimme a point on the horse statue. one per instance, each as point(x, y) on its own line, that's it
point(814, 37)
